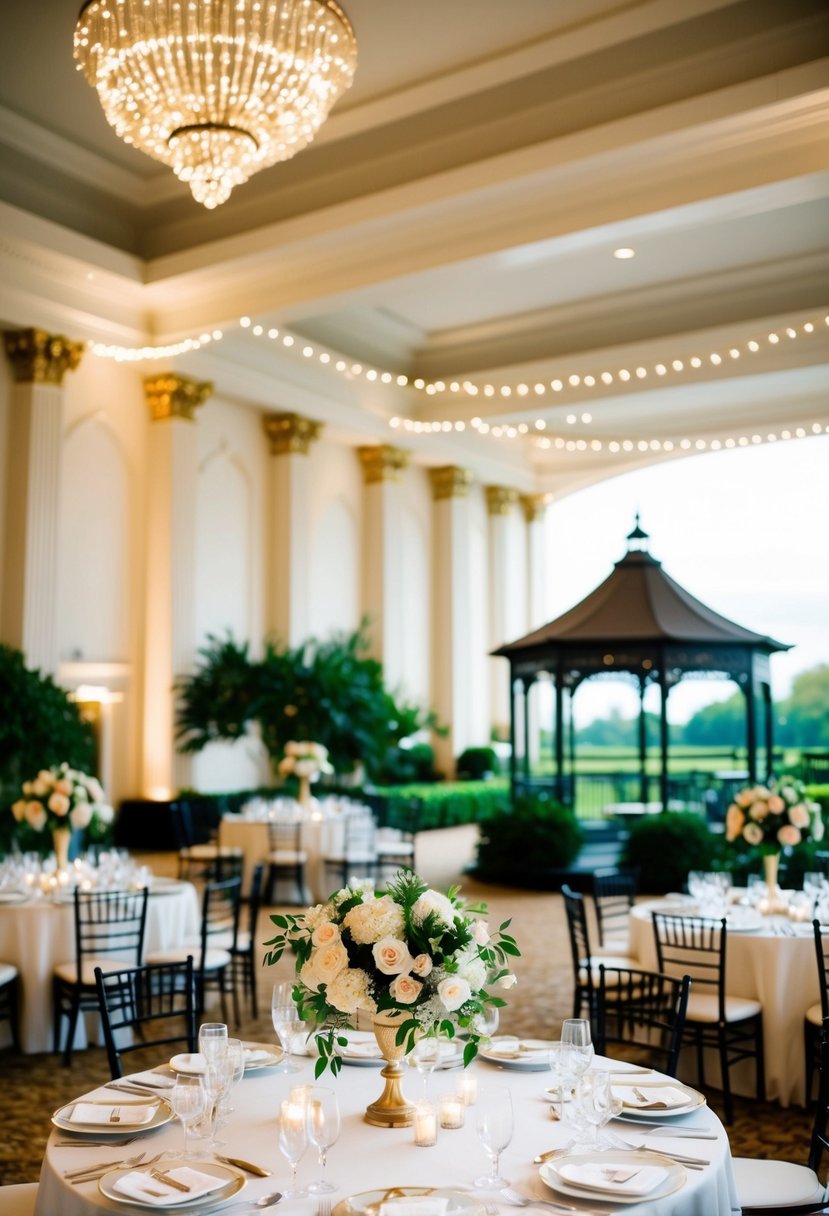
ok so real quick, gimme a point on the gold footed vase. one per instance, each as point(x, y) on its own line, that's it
point(391, 1109)
point(774, 896)
point(61, 838)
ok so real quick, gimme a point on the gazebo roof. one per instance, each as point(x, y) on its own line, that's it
point(639, 602)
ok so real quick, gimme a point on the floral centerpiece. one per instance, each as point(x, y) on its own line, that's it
point(61, 800)
point(305, 760)
point(770, 818)
point(424, 960)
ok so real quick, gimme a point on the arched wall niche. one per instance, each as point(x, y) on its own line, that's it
point(334, 570)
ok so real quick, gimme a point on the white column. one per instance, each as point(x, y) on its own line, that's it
point(452, 655)
point(500, 501)
point(30, 603)
point(170, 617)
point(288, 599)
point(382, 557)
point(540, 701)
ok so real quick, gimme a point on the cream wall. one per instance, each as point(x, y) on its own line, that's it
point(335, 519)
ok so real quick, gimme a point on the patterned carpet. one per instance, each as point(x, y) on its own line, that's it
point(34, 1086)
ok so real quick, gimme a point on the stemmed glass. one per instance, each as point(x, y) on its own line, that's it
point(575, 1053)
point(486, 1022)
point(425, 1056)
point(236, 1070)
point(286, 1022)
point(293, 1141)
point(212, 1040)
point(494, 1127)
point(323, 1120)
point(189, 1101)
point(597, 1102)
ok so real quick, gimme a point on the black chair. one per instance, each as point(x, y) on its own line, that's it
point(357, 857)
point(614, 893)
point(247, 941)
point(695, 946)
point(9, 991)
point(816, 1015)
point(643, 1009)
point(286, 858)
point(109, 933)
point(155, 1003)
point(585, 965)
point(215, 945)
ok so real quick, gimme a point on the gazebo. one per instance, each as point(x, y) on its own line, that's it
point(640, 624)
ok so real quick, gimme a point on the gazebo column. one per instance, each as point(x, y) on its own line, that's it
point(663, 734)
point(170, 615)
point(559, 738)
point(452, 655)
point(643, 744)
point(290, 437)
point(751, 730)
point(382, 555)
point(526, 685)
point(769, 729)
point(39, 362)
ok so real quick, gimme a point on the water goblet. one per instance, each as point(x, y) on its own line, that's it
point(597, 1102)
point(212, 1040)
point(293, 1141)
point(494, 1124)
point(485, 1023)
point(425, 1057)
point(189, 1101)
point(286, 1022)
point(236, 1068)
point(323, 1121)
point(577, 1044)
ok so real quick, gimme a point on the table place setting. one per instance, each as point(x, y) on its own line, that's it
point(658, 1099)
point(507, 1051)
point(619, 1176)
point(102, 1117)
point(171, 1184)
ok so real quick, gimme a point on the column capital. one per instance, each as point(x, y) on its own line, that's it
point(500, 499)
point(40, 358)
point(174, 396)
point(290, 433)
point(382, 462)
point(450, 481)
point(534, 506)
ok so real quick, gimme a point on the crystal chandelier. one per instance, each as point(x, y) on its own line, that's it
point(216, 89)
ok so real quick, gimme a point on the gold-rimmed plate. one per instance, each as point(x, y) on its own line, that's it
point(369, 1203)
point(261, 1055)
point(639, 1110)
point(162, 1114)
point(230, 1182)
point(673, 1178)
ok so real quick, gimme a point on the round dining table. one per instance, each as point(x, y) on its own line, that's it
point(39, 932)
point(769, 959)
point(368, 1158)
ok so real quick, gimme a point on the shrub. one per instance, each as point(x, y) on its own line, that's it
point(524, 844)
point(476, 763)
point(447, 804)
point(406, 764)
point(667, 845)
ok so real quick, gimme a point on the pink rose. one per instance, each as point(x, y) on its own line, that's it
point(325, 933)
point(391, 956)
point(799, 815)
point(789, 834)
point(753, 833)
point(404, 989)
point(776, 804)
point(58, 804)
point(63, 786)
point(422, 965)
point(734, 822)
point(758, 810)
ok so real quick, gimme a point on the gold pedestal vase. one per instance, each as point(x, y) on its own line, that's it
point(391, 1109)
point(60, 842)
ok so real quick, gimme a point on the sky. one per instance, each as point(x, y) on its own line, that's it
point(746, 531)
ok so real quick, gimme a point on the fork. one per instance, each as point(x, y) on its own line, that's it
point(95, 1174)
point(105, 1165)
point(96, 1143)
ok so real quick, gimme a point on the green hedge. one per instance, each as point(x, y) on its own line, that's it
point(524, 845)
point(421, 807)
point(666, 846)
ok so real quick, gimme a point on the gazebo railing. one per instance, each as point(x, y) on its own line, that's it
point(598, 795)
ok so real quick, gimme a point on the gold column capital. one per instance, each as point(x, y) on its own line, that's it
point(500, 499)
point(534, 506)
point(290, 433)
point(450, 481)
point(40, 358)
point(174, 396)
point(382, 462)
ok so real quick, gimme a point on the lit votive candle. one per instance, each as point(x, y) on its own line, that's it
point(451, 1110)
point(425, 1124)
point(292, 1114)
point(468, 1090)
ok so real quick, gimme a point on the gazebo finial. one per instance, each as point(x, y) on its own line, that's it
point(637, 537)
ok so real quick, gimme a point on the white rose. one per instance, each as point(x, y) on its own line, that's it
point(422, 965)
point(507, 981)
point(799, 815)
point(405, 990)
point(96, 790)
point(472, 969)
point(391, 956)
point(329, 961)
point(480, 933)
point(434, 902)
point(104, 812)
point(81, 816)
point(453, 992)
point(325, 933)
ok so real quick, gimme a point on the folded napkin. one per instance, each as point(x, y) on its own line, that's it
point(157, 1080)
point(91, 1112)
point(367, 1050)
point(657, 1096)
point(139, 1185)
point(523, 1049)
point(599, 1177)
point(253, 1055)
point(415, 1205)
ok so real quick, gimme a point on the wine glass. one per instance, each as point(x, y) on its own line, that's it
point(293, 1141)
point(286, 1022)
point(494, 1125)
point(485, 1023)
point(189, 1101)
point(323, 1120)
point(597, 1102)
point(577, 1045)
point(212, 1040)
point(236, 1068)
point(425, 1057)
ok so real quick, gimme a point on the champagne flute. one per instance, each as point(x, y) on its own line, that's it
point(189, 1101)
point(425, 1057)
point(236, 1068)
point(494, 1126)
point(577, 1044)
point(286, 1022)
point(293, 1141)
point(597, 1103)
point(323, 1118)
point(212, 1040)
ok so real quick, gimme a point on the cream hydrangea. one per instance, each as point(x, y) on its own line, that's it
point(371, 922)
point(433, 902)
point(350, 991)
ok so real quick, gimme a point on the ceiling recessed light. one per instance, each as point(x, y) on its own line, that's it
point(624, 253)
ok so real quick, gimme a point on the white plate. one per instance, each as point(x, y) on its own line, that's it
point(675, 1175)
point(744, 920)
point(14, 897)
point(458, 1201)
point(191, 1063)
point(364, 1041)
point(274, 1057)
point(695, 1100)
point(534, 1058)
point(163, 1114)
point(233, 1184)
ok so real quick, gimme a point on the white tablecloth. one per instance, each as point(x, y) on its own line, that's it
point(38, 935)
point(778, 971)
point(367, 1157)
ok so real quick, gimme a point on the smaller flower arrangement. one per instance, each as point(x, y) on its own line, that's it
point(774, 816)
point(407, 950)
point(305, 760)
point(63, 797)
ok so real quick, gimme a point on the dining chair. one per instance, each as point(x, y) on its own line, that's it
point(109, 933)
point(247, 943)
point(395, 850)
point(156, 1003)
point(214, 945)
point(204, 861)
point(585, 965)
point(356, 854)
point(286, 858)
point(816, 1015)
point(18, 1199)
point(697, 946)
point(642, 1009)
point(614, 893)
point(9, 992)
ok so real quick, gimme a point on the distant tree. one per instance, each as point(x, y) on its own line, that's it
point(722, 724)
point(803, 716)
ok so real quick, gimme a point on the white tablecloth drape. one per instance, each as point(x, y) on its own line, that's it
point(367, 1157)
point(38, 935)
point(776, 969)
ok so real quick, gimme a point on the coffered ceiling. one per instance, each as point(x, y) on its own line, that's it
point(456, 221)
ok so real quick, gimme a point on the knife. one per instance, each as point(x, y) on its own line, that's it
point(248, 1166)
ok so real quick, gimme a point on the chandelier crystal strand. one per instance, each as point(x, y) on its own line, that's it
point(216, 89)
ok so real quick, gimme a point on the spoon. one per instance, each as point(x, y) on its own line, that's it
point(264, 1201)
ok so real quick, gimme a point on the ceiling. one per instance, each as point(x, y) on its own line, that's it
point(456, 221)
